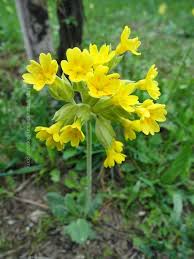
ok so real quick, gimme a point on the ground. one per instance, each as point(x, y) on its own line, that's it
point(148, 206)
point(28, 230)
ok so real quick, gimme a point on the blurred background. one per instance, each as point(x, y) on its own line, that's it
point(152, 194)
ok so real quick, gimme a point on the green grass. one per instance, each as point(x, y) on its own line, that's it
point(156, 190)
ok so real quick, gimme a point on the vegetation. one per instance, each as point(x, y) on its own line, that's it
point(154, 188)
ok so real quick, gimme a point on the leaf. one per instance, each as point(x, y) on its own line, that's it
point(55, 175)
point(177, 207)
point(191, 199)
point(70, 205)
point(142, 245)
point(81, 165)
point(79, 231)
point(134, 193)
point(127, 167)
point(57, 206)
point(4, 192)
point(96, 203)
point(179, 167)
point(71, 180)
point(69, 153)
point(35, 152)
point(24, 170)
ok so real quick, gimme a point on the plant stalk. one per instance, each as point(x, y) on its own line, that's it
point(89, 166)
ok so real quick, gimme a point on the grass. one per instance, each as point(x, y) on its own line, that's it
point(155, 189)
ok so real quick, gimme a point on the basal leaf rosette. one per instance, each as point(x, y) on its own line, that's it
point(105, 98)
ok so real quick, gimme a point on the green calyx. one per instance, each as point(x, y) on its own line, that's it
point(62, 90)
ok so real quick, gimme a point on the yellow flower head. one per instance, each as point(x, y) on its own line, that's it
point(41, 73)
point(51, 135)
point(192, 11)
point(123, 98)
point(100, 84)
point(77, 65)
point(150, 113)
point(101, 56)
point(162, 8)
point(149, 84)
point(130, 127)
point(72, 133)
point(127, 44)
point(114, 154)
point(104, 97)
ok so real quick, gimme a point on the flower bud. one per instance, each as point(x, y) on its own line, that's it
point(104, 131)
point(103, 104)
point(61, 89)
point(66, 113)
point(83, 112)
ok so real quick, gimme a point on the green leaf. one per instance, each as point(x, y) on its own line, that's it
point(4, 192)
point(142, 245)
point(55, 175)
point(71, 180)
point(177, 207)
point(81, 165)
point(127, 167)
point(24, 170)
point(57, 206)
point(179, 167)
point(134, 193)
point(79, 231)
point(191, 199)
point(69, 153)
point(70, 205)
point(95, 204)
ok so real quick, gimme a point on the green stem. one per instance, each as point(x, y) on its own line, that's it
point(89, 166)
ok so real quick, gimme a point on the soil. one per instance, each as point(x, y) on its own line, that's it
point(21, 235)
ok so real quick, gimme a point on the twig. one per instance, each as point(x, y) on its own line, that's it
point(10, 252)
point(24, 184)
point(43, 206)
point(101, 176)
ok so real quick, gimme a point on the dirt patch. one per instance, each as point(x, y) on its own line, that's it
point(27, 230)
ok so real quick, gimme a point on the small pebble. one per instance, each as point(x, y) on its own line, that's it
point(11, 222)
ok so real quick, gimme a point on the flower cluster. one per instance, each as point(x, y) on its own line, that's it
point(104, 97)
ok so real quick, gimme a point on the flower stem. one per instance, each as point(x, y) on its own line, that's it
point(89, 166)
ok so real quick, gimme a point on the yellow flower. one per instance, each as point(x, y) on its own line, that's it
point(41, 74)
point(100, 84)
point(102, 56)
point(127, 44)
point(72, 133)
point(192, 11)
point(51, 135)
point(162, 8)
point(123, 98)
point(114, 154)
point(77, 65)
point(149, 84)
point(150, 113)
point(130, 127)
